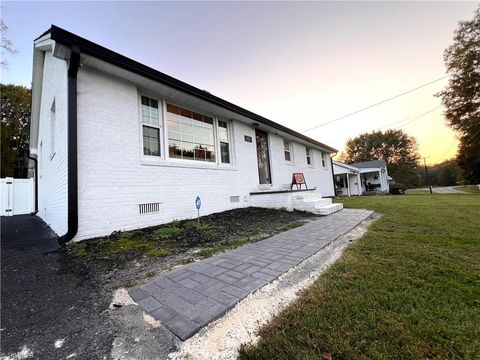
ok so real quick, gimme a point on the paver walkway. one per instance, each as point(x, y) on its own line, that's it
point(188, 298)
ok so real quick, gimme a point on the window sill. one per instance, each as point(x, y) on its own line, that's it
point(185, 164)
point(291, 163)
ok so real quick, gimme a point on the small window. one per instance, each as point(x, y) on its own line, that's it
point(52, 130)
point(324, 159)
point(150, 127)
point(224, 142)
point(287, 150)
point(309, 156)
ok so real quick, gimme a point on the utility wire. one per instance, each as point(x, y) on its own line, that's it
point(408, 120)
point(453, 142)
point(376, 104)
point(411, 118)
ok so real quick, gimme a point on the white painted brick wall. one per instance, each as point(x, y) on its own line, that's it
point(113, 179)
point(315, 176)
point(52, 182)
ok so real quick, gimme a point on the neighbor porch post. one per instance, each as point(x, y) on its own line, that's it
point(359, 184)
point(348, 184)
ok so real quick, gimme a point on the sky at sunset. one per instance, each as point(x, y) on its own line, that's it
point(300, 64)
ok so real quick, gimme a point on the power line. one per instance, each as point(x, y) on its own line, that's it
point(448, 149)
point(411, 119)
point(376, 104)
point(453, 142)
point(408, 120)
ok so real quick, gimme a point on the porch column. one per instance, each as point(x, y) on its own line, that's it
point(382, 185)
point(348, 185)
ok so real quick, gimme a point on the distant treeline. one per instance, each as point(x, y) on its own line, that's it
point(446, 173)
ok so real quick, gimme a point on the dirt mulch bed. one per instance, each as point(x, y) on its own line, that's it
point(126, 258)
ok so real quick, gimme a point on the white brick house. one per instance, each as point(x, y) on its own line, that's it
point(120, 146)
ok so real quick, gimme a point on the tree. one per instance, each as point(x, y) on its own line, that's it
point(15, 117)
point(446, 173)
point(461, 98)
point(399, 151)
point(5, 44)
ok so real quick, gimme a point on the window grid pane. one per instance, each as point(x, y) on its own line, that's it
point(190, 135)
point(151, 141)
point(150, 114)
point(287, 150)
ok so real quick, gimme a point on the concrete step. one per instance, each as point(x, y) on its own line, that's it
point(312, 202)
point(328, 209)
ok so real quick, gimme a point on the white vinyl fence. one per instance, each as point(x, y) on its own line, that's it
point(17, 196)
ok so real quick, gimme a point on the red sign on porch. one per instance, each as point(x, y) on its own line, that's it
point(299, 180)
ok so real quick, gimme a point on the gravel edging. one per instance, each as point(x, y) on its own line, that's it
point(221, 339)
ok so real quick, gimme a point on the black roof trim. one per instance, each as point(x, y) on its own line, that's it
point(90, 48)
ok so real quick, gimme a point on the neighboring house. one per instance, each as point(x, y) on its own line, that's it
point(118, 145)
point(368, 177)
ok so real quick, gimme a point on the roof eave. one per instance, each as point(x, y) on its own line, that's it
point(90, 48)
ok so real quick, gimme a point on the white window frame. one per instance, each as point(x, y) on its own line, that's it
point(165, 159)
point(309, 155)
point(230, 139)
point(324, 157)
point(216, 143)
point(290, 151)
point(161, 123)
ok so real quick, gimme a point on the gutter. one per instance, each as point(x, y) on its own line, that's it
point(35, 161)
point(333, 175)
point(72, 168)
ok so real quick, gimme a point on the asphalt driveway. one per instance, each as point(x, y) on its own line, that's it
point(49, 310)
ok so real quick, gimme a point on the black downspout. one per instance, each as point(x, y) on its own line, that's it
point(36, 181)
point(333, 176)
point(72, 174)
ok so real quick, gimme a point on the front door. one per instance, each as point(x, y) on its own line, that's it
point(263, 158)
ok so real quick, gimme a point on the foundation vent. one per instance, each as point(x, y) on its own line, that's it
point(149, 208)
point(234, 199)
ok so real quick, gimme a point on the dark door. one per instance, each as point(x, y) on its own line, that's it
point(263, 158)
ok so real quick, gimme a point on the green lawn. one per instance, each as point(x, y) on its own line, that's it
point(409, 289)
point(472, 189)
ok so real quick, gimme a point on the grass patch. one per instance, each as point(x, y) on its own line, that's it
point(166, 232)
point(472, 189)
point(417, 191)
point(410, 289)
